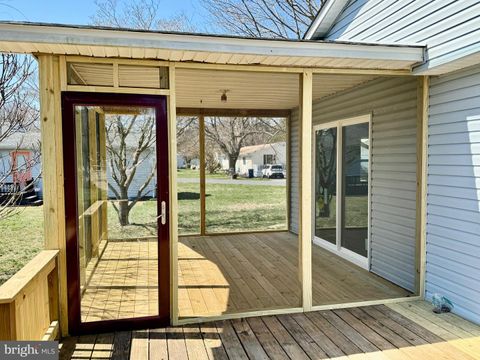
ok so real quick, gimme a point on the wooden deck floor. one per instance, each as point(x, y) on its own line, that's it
point(400, 331)
point(224, 274)
point(124, 283)
point(246, 272)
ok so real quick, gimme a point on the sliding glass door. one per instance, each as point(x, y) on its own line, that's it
point(342, 163)
point(355, 159)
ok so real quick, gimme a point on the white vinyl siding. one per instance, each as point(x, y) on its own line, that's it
point(450, 29)
point(453, 222)
point(143, 172)
point(392, 103)
point(294, 170)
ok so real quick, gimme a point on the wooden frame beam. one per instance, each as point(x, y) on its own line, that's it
point(306, 188)
point(52, 170)
point(233, 112)
point(203, 206)
point(294, 70)
point(422, 173)
point(173, 211)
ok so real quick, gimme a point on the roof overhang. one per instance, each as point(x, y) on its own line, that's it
point(325, 19)
point(456, 60)
point(107, 42)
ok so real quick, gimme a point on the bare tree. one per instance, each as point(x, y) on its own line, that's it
point(230, 134)
point(282, 19)
point(18, 112)
point(18, 115)
point(130, 144)
point(140, 14)
point(188, 138)
point(325, 171)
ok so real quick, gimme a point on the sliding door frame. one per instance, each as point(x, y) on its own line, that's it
point(337, 248)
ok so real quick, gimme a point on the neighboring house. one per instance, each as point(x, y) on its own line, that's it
point(255, 157)
point(20, 152)
point(181, 163)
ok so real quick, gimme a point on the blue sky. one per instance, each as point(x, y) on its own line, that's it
point(77, 12)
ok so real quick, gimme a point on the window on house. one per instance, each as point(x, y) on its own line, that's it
point(268, 159)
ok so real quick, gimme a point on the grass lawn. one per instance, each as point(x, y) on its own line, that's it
point(356, 213)
point(229, 208)
point(20, 240)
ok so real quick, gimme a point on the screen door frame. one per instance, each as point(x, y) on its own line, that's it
point(159, 103)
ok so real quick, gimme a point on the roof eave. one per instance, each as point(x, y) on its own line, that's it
point(14, 36)
point(325, 19)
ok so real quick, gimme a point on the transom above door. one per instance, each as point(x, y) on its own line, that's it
point(342, 188)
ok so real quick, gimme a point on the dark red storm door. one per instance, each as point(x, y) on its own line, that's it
point(116, 205)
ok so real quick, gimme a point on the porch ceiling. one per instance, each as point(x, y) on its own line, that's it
point(106, 42)
point(252, 90)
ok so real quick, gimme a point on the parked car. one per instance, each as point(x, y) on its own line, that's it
point(273, 172)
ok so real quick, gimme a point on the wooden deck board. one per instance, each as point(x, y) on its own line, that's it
point(223, 274)
point(247, 272)
point(376, 332)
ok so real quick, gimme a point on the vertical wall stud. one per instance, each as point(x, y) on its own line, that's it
point(172, 129)
point(422, 168)
point(52, 171)
point(306, 189)
point(201, 133)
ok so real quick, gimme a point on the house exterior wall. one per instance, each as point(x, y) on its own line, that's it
point(294, 169)
point(143, 171)
point(450, 28)
point(393, 105)
point(453, 220)
point(254, 160)
point(5, 167)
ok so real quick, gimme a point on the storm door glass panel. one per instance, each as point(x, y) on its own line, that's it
point(355, 159)
point(325, 184)
point(117, 212)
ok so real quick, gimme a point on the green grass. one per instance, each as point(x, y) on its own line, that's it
point(356, 209)
point(229, 208)
point(20, 240)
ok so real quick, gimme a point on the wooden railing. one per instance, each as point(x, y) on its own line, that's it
point(29, 300)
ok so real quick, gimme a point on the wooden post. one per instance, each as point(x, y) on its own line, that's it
point(52, 164)
point(172, 133)
point(306, 189)
point(53, 293)
point(93, 170)
point(201, 133)
point(422, 167)
point(103, 176)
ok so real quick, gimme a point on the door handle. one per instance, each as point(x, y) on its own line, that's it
point(163, 213)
